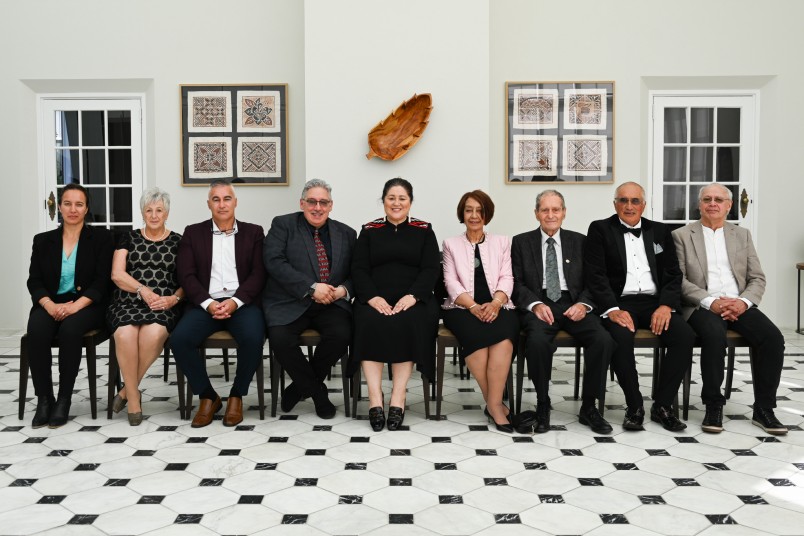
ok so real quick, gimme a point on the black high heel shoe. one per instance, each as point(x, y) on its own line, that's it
point(395, 417)
point(508, 427)
point(377, 418)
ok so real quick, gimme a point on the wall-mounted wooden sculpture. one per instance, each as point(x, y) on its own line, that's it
point(397, 133)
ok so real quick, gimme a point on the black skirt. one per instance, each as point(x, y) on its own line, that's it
point(472, 334)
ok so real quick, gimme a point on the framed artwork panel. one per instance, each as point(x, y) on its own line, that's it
point(559, 132)
point(236, 132)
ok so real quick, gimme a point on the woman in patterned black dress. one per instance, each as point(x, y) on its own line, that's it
point(395, 266)
point(143, 309)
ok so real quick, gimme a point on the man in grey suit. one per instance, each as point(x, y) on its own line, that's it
point(550, 294)
point(307, 258)
point(722, 286)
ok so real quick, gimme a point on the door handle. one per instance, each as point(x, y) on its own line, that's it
point(51, 206)
point(744, 203)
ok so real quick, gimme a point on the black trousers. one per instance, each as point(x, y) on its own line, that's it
point(598, 347)
point(679, 340)
point(764, 336)
point(246, 326)
point(335, 326)
point(42, 328)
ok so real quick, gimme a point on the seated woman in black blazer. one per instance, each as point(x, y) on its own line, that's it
point(69, 282)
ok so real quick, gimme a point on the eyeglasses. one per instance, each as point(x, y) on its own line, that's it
point(227, 232)
point(708, 199)
point(626, 200)
point(313, 202)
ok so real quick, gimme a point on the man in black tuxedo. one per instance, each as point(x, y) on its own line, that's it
point(549, 299)
point(308, 257)
point(632, 272)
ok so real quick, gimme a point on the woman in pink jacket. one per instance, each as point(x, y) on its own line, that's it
point(478, 309)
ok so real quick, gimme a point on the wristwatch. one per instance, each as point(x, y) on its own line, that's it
point(310, 291)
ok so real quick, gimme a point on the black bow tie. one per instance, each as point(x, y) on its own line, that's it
point(635, 232)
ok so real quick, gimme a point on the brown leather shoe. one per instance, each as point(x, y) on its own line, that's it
point(206, 412)
point(234, 411)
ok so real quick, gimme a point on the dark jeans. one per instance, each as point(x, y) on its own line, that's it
point(245, 325)
point(598, 346)
point(335, 326)
point(764, 336)
point(42, 328)
point(679, 340)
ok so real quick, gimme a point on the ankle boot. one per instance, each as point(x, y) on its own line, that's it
point(44, 405)
point(60, 413)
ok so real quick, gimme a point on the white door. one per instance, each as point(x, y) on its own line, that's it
point(698, 139)
point(96, 142)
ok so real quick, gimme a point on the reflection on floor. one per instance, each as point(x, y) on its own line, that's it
point(297, 474)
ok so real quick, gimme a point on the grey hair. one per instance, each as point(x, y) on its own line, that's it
point(545, 193)
point(220, 182)
point(154, 195)
point(315, 183)
point(727, 190)
point(630, 183)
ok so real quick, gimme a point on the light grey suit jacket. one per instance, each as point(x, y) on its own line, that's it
point(292, 266)
point(743, 260)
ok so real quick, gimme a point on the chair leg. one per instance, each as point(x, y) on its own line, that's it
point(426, 389)
point(578, 371)
point(345, 382)
point(509, 387)
point(655, 375)
point(89, 342)
point(274, 383)
point(114, 377)
point(225, 364)
point(356, 388)
point(520, 372)
point(23, 375)
point(184, 413)
point(730, 372)
point(602, 398)
point(439, 386)
point(261, 389)
point(685, 389)
point(166, 365)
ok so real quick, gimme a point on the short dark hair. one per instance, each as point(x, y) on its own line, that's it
point(74, 186)
point(398, 181)
point(486, 204)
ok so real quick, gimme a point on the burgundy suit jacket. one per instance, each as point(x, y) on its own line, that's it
point(194, 263)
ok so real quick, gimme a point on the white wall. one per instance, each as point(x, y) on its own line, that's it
point(348, 63)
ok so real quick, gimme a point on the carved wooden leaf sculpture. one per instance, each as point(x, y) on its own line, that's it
point(397, 133)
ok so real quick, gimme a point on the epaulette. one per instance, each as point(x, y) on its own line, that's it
point(375, 224)
point(415, 222)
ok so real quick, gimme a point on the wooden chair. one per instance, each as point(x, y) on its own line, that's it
point(446, 339)
point(309, 338)
point(221, 340)
point(90, 342)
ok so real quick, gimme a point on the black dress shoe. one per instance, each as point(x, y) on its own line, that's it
point(377, 418)
point(395, 417)
point(634, 418)
point(60, 413)
point(592, 418)
point(765, 419)
point(290, 397)
point(666, 417)
point(44, 405)
point(323, 407)
point(542, 419)
point(713, 420)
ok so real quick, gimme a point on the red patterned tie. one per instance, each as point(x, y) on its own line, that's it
point(323, 262)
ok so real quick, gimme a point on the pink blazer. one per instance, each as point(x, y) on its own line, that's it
point(459, 267)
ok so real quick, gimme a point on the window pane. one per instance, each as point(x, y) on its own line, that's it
point(675, 164)
point(97, 205)
point(92, 127)
point(674, 203)
point(702, 120)
point(119, 127)
point(119, 166)
point(58, 200)
point(120, 199)
point(735, 203)
point(94, 166)
point(675, 125)
point(695, 212)
point(728, 125)
point(66, 166)
point(67, 129)
point(701, 164)
point(728, 164)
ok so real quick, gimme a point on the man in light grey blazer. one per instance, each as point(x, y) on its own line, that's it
point(722, 286)
point(307, 258)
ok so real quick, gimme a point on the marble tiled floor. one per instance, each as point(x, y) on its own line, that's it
point(297, 474)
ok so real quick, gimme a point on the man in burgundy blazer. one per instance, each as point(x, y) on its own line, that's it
point(221, 271)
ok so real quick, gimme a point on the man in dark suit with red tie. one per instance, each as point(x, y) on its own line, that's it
point(221, 271)
point(308, 258)
point(632, 271)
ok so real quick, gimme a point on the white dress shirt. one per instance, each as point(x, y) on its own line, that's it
point(638, 279)
point(720, 279)
point(223, 281)
point(559, 256)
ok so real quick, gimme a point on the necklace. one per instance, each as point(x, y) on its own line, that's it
point(145, 234)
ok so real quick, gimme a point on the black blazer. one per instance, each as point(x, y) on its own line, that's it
point(93, 265)
point(605, 264)
point(292, 266)
point(528, 266)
